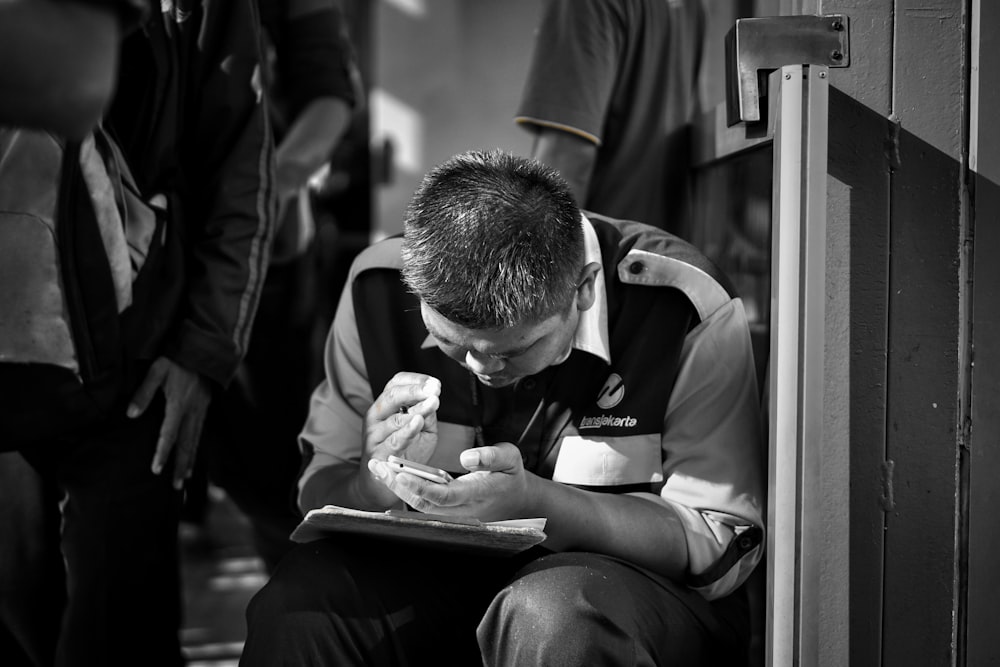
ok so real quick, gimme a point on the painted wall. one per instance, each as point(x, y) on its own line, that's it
point(448, 78)
point(896, 481)
point(897, 119)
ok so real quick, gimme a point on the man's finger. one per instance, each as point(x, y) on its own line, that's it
point(405, 392)
point(502, 457)
point(168, 436)
point(187, 449)
point(399, 428)
point(144, 394)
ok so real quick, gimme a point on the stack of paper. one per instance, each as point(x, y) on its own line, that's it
point(447, 532)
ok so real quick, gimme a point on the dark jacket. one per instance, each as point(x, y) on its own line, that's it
point(190, 118)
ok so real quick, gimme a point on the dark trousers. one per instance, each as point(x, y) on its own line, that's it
point(122, 598)
point(353, 601)
point(32, 579)
point(250, 447)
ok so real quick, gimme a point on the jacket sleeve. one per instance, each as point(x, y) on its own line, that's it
point(574, 67)
point(226, 156)
point(333, 434)
point(712, 453)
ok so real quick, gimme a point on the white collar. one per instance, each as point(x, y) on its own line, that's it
point(592, 329)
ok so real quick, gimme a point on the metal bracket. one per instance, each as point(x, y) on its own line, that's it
point(757, 46)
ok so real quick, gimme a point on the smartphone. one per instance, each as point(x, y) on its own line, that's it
point(429, 473)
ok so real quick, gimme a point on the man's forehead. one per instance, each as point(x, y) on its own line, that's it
point(499, 341)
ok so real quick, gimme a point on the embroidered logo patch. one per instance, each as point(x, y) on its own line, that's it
point(612, 392)
point(606, 421)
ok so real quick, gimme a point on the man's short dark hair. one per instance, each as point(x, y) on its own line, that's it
point(493, 240)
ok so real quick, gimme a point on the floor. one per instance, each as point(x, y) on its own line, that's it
point(221, 573)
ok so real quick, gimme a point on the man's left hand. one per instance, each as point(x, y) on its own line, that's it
point(187, 397)
point(496, 488)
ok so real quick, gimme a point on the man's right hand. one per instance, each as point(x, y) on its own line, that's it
point(402, 421)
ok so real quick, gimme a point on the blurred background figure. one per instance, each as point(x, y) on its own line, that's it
point(89, 563)
point(313, 88)
point(610, 96)
point(59, 75)
point(60, 61)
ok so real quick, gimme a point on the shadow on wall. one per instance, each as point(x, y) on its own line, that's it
point(904, 213)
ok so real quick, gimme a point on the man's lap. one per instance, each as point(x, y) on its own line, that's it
point(391, 603)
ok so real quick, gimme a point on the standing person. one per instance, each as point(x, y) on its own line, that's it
point(610, 95)
point(251, 452)
point(191, 128)
point(591, 371)
point(60, 65)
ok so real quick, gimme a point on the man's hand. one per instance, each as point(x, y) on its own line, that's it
point(187, 395)
point(496, 487)
point(403, 419)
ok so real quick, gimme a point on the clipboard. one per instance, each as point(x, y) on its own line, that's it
point(446, 532)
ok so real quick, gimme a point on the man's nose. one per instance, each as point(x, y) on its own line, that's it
point(482, 364)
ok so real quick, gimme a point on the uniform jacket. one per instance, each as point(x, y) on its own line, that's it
point(658, 396)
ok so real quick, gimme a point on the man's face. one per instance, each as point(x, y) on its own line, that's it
point(500, 358)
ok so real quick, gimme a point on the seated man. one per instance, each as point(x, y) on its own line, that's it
point(591, 371)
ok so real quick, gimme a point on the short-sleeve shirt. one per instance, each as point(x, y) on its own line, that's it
point(622, 74)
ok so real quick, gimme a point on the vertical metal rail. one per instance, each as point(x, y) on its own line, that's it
point(798, 275)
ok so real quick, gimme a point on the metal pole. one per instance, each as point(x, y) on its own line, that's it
point(798, 276)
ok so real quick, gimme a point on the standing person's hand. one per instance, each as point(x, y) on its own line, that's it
point(187, 397)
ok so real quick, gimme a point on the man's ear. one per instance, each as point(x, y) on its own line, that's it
point(586, 291)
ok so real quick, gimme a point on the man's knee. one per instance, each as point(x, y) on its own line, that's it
point(556, 607)
point(587, 609)
point(311, 577)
